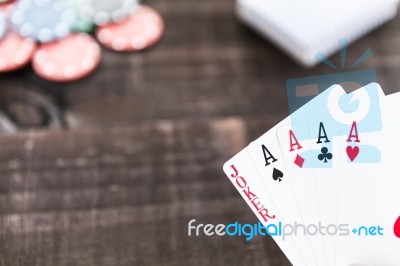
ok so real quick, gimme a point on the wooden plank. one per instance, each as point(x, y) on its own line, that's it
point(124, 196)
point(150, 132)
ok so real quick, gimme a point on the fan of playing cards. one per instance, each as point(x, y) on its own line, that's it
point(323, 182)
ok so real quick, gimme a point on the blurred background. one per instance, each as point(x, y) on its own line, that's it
point(109, 169)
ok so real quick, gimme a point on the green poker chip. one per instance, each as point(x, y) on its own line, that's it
point(103, 12)
point(80, 24)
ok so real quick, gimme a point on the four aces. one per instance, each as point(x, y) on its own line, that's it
point(306, 171)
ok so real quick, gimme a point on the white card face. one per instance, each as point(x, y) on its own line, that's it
point(369, 195)
point(241, 172)
point(269, 161)
point(392, 100)
point(324, 133)
point(325, 164)
point(296, 152)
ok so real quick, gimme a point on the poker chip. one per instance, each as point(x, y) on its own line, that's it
point(3, 24)
point(102, 12)
point(80, 24)
point(68, 59)
point(43, 20)
point(15, 51)
point(6, 2)
point(142, 29)
point(7, 8)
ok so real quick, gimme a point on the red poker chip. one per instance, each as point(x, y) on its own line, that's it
point(141, 30)
point(15, 51)
point(7, 6)
point(6, 2)
point(68, 59)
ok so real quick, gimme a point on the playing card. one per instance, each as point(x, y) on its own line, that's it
point(296, 150)
point(269, 161)
point(324, 132)
point(392, 100)
point(324, 163)
point(244, 176)
point(365, 200)
point(368, 191)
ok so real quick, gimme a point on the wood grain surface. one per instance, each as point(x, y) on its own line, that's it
point(138, 147)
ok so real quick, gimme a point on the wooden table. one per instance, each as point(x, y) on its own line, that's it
point(144, 141)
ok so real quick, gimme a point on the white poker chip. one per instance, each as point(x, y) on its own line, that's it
point(3, 24)
point(102, 12)
point(43, 20)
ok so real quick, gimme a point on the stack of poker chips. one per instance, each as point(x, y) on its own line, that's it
point(56, 36)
